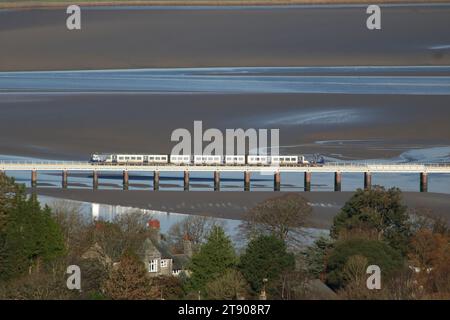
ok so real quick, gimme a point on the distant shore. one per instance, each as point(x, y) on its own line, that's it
point(234, 204)
point(33, 4)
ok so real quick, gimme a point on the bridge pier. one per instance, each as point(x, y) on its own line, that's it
point(423, 182)
point(64, 177)
point(186, 180)
point(337, 181)
point(276, 181)
point(125, 180)
point(94, 180)
point(155, 180)
point(33, 178)
point(246, 181)
point(307, 181)
point(216, 180)
point(367, 180)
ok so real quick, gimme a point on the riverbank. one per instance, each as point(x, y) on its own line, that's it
point(234, 205)
point(37, 4)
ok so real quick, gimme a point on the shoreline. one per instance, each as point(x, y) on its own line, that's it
point(233, 204)
point(30, 5)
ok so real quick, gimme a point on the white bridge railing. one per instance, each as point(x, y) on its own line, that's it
point(48, 165)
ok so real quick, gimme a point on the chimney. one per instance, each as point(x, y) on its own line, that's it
point(187, 245)
point(154, 226)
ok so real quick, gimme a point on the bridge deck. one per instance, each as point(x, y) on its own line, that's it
point(331, 167)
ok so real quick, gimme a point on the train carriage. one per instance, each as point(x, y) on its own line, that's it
point(235, 160)
point(207, 160)
point(258, 160)
point(284, 160)
point(180, 159)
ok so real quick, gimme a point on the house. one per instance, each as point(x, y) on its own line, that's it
point(157, 256)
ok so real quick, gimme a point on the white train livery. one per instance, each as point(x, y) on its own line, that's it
point(152, 159)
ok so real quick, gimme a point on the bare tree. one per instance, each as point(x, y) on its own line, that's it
point(282, 217)
point(74, 225)
point(196, 228)
point(128, 281)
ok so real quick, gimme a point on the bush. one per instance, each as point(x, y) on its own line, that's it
point(376, 252)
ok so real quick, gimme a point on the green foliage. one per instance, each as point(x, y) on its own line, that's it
point(229, 286)
point(265, 258)
point(215, 256)
point(375, 210)
point(31, 238)
point(316, 255)
point(377, 252)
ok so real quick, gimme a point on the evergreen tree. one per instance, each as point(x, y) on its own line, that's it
point(31, 238)
point(214, 257)
point(265, 258)
point(376, 252)
point(378, 212)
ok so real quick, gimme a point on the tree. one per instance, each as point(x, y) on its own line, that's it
point(376, 252)
point(316, 255)
point(430, 253)
point(265, 258)
point(11, 193)
point(126, 232)
point(375, 210)
point(196, 227)
point(229, 286)
point(281, 216)
point(214, 257)
point(128, 281)
point(31, 239)
point(167, 288)
point(74, 226)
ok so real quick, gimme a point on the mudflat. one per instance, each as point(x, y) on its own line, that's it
point(71, 126)
point(234, 205)
point(113, 37)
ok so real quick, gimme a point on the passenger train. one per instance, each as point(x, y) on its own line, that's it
point(155, 159)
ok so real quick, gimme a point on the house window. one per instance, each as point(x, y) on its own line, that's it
point(163, 263)
point(153, 265)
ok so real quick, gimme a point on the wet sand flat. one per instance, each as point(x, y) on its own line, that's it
point(71, 126)
point(171, 37)
point(233, 205)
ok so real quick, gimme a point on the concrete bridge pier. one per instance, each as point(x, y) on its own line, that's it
point(156, 180)
point(246, 181)
point(276, 181)
point(186, 180)
point(307, 181)
point(337, 181)
point(125, 180)
point(367, 180)
point(423, 182)
point(94, 180)
point(64, 179)
point(33, 178)
point(216, 181)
